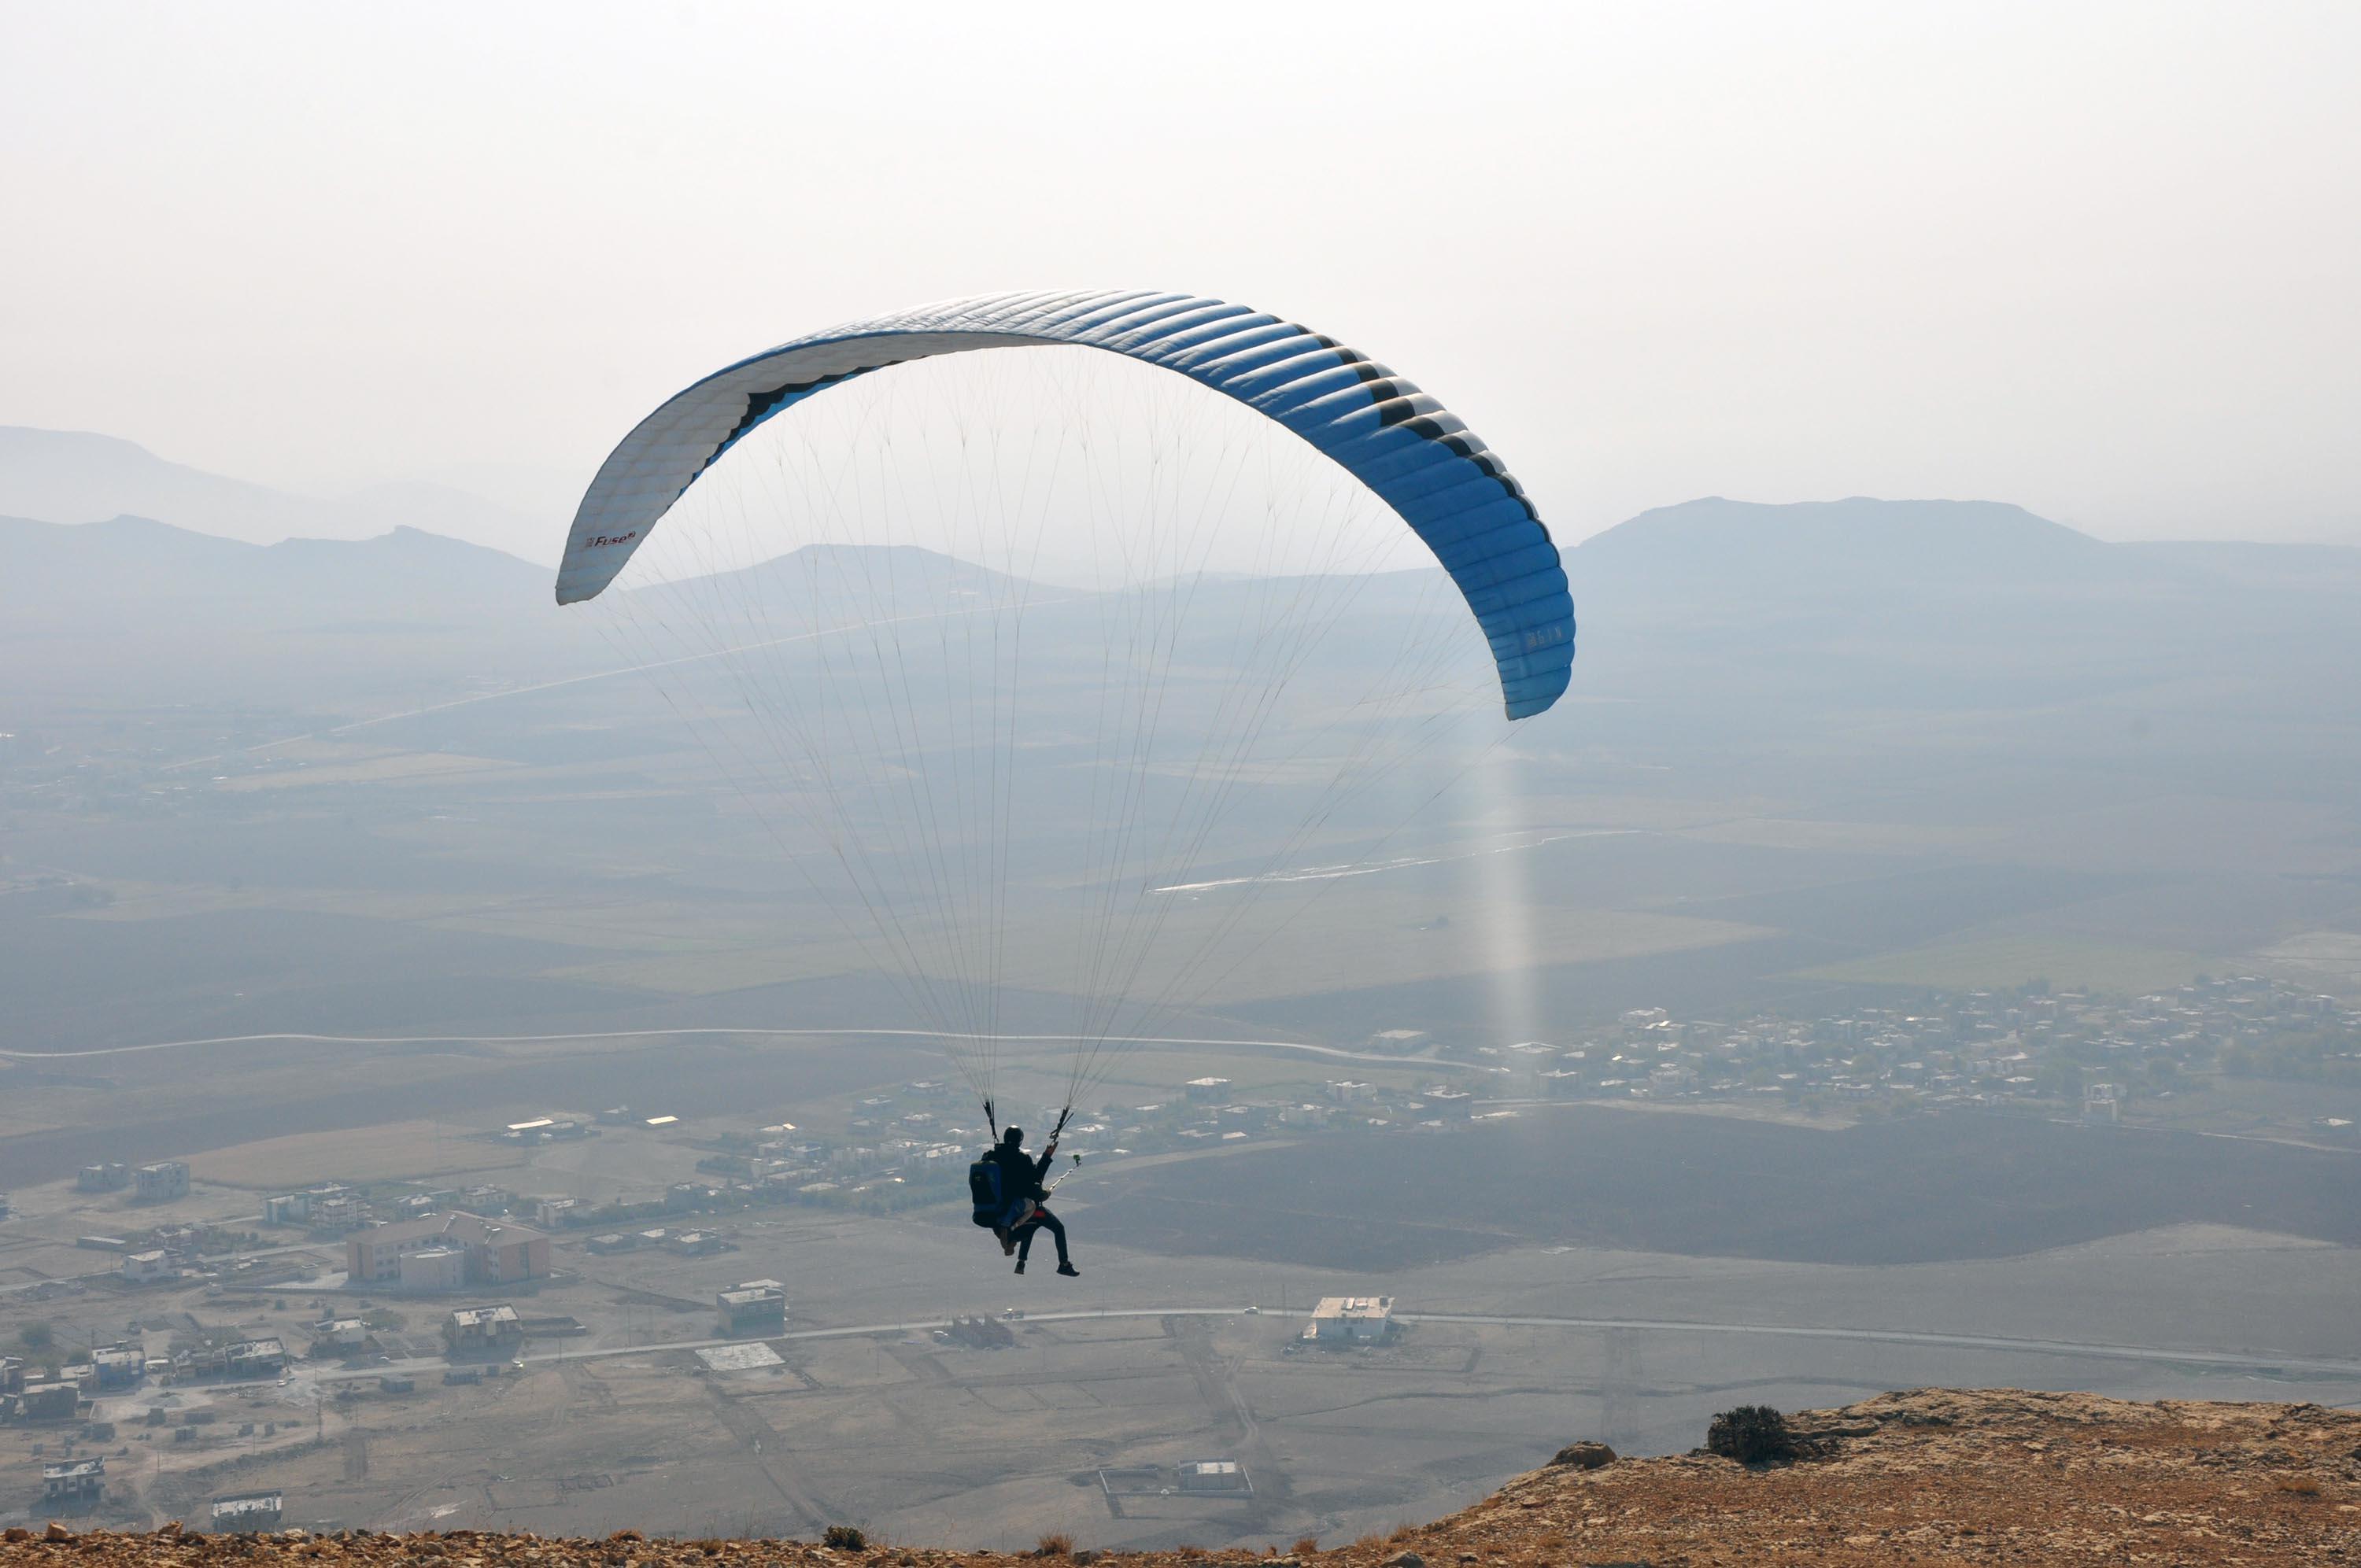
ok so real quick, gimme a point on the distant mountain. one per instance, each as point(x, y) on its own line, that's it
point(133, 611)
point(137, 567)
point(96, 608)
point(459, 514)
point(1736, 617)
point(137, 576)
point(1734, 564)
point(1859, 539)
point(824, 583)
point(61, 475)
point(1807, 551)
point(1727, 613)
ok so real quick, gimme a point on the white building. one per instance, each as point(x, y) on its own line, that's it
point(431, 1268)
point(1351, 1319)
point(147, 1267)
point(479, 1328)
point(246, 1512)
point(161, 1182)
point(341, 1333)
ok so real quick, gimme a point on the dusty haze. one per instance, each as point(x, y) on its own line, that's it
point(2096, 261)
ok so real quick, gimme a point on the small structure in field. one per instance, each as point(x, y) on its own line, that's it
point(1351, 1319)
point(494, 1327)
point(77, 1484)
point(246, 1513)
point(752, 1306)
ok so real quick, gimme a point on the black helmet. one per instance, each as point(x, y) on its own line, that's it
point(1013, 1136)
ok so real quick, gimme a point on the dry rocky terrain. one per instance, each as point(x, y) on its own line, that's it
point(1933, 1475)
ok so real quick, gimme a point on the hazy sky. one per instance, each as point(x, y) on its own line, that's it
point(2101, 259)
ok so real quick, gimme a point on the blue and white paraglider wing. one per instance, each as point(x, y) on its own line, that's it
point(1397, 440)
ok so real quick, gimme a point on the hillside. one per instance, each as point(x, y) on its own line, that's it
point(73, 476)
point(137, 612)
point(1934, 1475)
point(1861, 541)
point(133, 566)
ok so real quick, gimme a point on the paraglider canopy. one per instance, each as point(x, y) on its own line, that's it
point(1395, 439)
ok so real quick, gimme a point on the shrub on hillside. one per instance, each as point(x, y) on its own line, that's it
point(1752, 1434)
point(844, 1538)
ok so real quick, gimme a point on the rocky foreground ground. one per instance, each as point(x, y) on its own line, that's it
point(1929, 1476)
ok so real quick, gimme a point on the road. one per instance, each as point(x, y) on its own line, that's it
point(1334, 1053)
point(2260, 1364)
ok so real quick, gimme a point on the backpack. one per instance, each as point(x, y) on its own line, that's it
point(983, 1187)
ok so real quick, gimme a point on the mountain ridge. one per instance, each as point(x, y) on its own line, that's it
point(1710, 540)
point(74, 477)
point(1752, 608)
point(81, 476)
point(129, 555)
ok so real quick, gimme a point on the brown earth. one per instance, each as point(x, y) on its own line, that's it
point(1931, 1476)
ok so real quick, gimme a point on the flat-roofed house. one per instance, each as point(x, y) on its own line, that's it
point(1351, 1319)
point(243, 1513)
point(754, 1306)
point(76, 1484)
point(160, 1183)
point(493, 1327)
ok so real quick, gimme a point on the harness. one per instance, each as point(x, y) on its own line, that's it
point(992, 1205)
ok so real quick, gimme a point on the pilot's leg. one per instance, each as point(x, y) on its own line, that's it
point(1056, 1227)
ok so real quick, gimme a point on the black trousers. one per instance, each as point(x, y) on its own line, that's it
point(1043, 1220)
